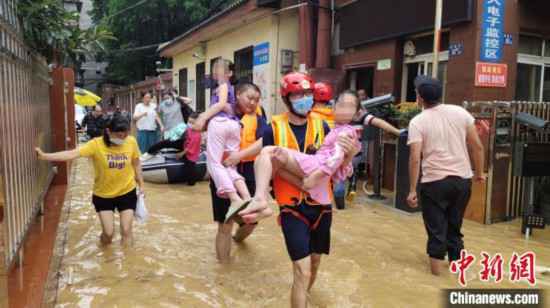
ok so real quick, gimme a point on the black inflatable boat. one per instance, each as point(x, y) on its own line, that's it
point(165, 168)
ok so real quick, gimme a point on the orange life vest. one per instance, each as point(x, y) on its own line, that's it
point(287, 194)
point(324, 113)
point(248, 134)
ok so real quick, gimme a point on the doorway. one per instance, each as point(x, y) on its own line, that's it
point(200, 95)
point(361, 79)
point(422, 65)
point(243, 64)
point(183, 82)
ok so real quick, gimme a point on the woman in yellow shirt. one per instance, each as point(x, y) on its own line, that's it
point(117, 168)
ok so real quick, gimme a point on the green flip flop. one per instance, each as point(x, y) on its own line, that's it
point(234, 210)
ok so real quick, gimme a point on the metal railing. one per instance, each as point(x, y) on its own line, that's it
point(520, 134)
point(505, 194)
point(129, 96)
point(24, 124)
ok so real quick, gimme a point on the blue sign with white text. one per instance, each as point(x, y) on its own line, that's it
point(492, 30)
point(456, 49)
point(261, 54)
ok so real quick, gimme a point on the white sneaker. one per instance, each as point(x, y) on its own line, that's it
point(146, 157)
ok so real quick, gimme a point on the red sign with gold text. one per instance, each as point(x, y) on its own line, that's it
point(491, 75)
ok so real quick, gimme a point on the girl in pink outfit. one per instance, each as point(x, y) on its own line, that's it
point(223, 135)
point(312, 172)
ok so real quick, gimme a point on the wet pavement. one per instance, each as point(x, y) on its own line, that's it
point(377, 260)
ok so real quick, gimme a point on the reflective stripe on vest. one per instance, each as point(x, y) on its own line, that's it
point(286, 193)
point(324, 113)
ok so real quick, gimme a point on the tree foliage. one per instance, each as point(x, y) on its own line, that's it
point(53, 32)
point(150, 23)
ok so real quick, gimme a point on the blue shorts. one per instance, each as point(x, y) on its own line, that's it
point(303, 239)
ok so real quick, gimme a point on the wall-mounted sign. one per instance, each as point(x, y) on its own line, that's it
point(409, 49)
point(261, 54)
point(260, 72)
point(508, 39)
point(287, 61)
point(456, 49)
point(383, 65)
point(491, 75)
point(492, 30)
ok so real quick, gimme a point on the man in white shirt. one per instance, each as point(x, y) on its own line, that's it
point(441, 136)
point(147, 118)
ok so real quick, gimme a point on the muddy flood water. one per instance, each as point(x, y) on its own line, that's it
point(377, 259)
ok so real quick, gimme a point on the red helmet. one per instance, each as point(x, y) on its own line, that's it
point(322, 92)
point(295, 82)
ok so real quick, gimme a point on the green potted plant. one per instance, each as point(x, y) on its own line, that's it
point(406, 116)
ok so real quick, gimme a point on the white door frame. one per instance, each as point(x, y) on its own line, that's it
point(425, 59)
point(542, 62)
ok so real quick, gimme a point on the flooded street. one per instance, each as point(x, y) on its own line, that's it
point(378, 258)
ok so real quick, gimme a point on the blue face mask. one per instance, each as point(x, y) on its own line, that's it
point(303, 105)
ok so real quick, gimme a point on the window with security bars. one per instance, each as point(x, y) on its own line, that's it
point(244, 64)
point(533, 70)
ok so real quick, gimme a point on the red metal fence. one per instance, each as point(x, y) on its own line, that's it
point(24, 124)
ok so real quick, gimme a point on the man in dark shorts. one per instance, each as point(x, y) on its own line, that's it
point(305, 223)
point(442, 135)
point(254, 124)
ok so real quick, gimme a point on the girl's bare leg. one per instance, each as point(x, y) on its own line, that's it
point(263, 170)
point(271, 160)
point(234, 197)
point(313, 179)
point(288, 163)
point(240, 186)
point(291, 178)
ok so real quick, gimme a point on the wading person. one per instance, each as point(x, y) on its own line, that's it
point(117, 168)
point(223, 136)
point(362, 94)
point(305, 223)
point(94, 122)
point(170, 113)
point(312, 173)
point(253, 124)
point(191, 149)
point(185, 105)
point(442, 135)
point(146, 118)
point(322, 96)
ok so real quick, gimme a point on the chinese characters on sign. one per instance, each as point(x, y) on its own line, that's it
point(508, 39)
point(492, 30)
point(456, 49)
point(521, 267)
point(261, 54)
point(491, 75)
